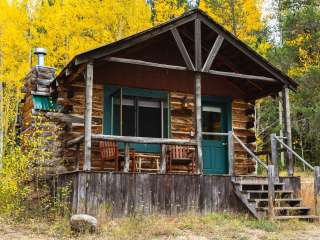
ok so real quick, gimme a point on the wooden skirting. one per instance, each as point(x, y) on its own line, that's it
point(123, 194)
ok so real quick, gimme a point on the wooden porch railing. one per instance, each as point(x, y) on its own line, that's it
point(139, 140)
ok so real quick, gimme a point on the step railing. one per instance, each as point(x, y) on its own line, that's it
point(274, 158)
point(249, 151)
point(271, 176)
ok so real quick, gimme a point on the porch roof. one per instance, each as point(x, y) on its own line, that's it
point(226, 59)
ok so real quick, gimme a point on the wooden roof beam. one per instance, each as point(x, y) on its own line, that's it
point(197, 44)
point(213, 53)
point(182, 49)
point(234, 68)
point(243, 76)
point(144, 63)
point(182, 68)
point(251, 54)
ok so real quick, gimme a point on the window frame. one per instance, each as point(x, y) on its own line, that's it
point(162, 96)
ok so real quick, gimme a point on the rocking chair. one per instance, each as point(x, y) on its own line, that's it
point(109, 151)
point(182, 156)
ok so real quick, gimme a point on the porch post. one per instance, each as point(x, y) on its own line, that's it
point(271, 193)
point(287, 129)
point(198, 121)
point(88, 117)
point(231, 152)
point(316, 190)
point(274, 154)
point(198, 65)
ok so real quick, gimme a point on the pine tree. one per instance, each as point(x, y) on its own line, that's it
point(298, 54)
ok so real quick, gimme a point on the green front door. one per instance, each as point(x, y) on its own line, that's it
point(215, 148)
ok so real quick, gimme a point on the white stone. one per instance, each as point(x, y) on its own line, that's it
point(83, 223)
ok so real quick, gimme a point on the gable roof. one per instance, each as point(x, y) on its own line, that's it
point(115, 47)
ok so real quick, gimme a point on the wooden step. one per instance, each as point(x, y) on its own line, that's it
point(257, 186)
point(288, 211)
point(256, 183)
point(303, 217)
point(266, 191)
point(263, 194)
point(253, 192)
point(279, 202)
point(286, 208)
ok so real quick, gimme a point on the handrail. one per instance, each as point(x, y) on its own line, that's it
point(294, 153)
point(142, 140)
point(249, 151)
point(215, 134)
point(75, 141)
point(145, 140)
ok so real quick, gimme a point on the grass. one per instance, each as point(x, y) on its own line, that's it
point(222, 226)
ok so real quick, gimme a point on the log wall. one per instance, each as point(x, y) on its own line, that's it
point(182, 124)
point(69, 123)
point(72, 98)
point(182, 115)
point(243, 126)
point(37, 124)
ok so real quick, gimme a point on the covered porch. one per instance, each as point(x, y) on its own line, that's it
point(186, 83)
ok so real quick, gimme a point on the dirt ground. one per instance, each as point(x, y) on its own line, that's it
point(185, 227)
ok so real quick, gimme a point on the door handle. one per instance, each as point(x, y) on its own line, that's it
point(224, 144)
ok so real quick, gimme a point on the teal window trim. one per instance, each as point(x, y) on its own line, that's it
point(110, 90)
point(44, 103)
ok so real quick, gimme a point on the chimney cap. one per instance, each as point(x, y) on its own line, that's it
point(40, 51)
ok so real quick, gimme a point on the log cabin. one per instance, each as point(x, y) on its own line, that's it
point(162, 121)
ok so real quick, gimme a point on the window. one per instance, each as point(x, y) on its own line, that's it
point(211, 121)
point(136, 115)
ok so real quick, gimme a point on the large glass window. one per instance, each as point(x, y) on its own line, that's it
point(139, 116)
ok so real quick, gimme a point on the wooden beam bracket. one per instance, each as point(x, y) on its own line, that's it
point(213, 53)
point(182, 49)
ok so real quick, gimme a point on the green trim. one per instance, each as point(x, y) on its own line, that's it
point(109, 90)
point(44, 103)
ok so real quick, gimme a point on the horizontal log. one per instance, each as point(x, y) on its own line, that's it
point(144, 140)
point(141, 140)
point(75, 141)
point(40, 93)
point(214, 134)
point(243, 76)
point(144, 63)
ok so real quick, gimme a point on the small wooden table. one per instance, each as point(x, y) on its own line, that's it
point(154, 160)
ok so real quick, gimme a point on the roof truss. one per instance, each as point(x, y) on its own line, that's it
point(198, 17)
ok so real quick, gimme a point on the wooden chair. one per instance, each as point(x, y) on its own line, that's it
point(109, 151)
point(180, 155)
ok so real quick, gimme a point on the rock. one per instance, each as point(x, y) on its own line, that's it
point(83, 223)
